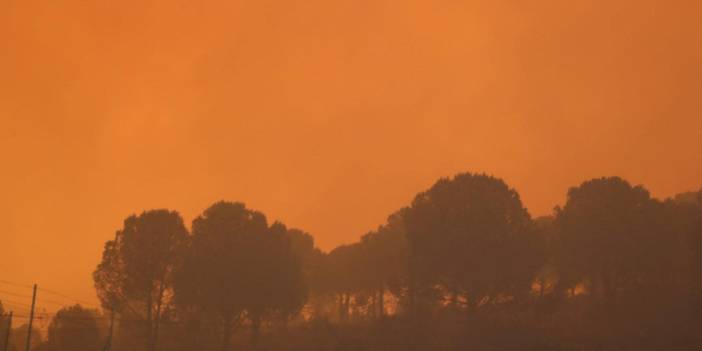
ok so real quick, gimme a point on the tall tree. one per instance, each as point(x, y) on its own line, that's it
point(386, 261)
point(471, 238)
point(136, 272)
point(291, 255)
point(346, 275)
point(237, 267)
point(612, 237)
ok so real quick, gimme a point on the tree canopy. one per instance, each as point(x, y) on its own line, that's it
point(465, 258)
point(74, 328)
point(610, 233)
point(135, 275)
point(471, 237)
point(237, 267)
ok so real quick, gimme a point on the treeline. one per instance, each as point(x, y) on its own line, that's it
point(464, 266)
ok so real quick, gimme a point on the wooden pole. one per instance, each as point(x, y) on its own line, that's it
point(31, 318)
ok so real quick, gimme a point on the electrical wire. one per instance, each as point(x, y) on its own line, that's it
point(3, 301)
point(16, 284)
point(88, 304)
point(15, 294)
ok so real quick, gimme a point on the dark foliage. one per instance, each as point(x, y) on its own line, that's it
point(464, 266)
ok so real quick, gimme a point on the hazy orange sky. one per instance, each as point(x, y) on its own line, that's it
point(327, 115)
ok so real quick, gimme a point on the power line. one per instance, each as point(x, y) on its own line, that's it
point(12, 302)
point(65, 296)
point(62, 304)
point(16, 284)
point(53, 292)
point(96, 318)
point(17, 309)
point(39, 301)
point(14, 294)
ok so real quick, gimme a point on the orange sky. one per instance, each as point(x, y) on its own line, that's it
point(327, 115)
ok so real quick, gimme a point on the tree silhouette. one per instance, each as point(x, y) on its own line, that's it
point(466, 244)
point(286, 289)
point(18, 338)
point(346, 276)
point(135, 275)
point(237, 267)
point(685, 218)
point(74, 328)
point(385, 267)
point(471, 238)
point(611, 237)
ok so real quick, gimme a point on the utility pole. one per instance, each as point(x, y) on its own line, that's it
point(9, 329)
point(31, 318)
